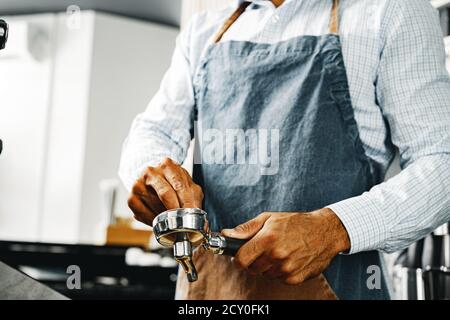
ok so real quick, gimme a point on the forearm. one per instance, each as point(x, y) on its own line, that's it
point(147, 144)
point(163, 130)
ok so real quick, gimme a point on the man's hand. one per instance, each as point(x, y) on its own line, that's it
point(167, 186)
point(293, 247)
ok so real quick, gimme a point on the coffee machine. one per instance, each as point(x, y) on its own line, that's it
point(3, 40)
point(422, 272)
point(3, 34)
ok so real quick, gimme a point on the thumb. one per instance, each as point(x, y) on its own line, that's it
point(249, 229)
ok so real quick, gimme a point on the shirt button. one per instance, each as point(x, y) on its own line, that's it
point(275, 18)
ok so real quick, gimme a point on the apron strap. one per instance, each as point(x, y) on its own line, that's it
point(232, 19)
point(334, 19)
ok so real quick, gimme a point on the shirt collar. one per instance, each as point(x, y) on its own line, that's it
point(256, 1)
point(238, 2)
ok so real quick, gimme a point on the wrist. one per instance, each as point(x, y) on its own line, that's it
point(339, 238)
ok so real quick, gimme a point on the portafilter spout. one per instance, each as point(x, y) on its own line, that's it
point(182, 252)
point(184, 230)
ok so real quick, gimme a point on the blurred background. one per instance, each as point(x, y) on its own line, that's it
point(73, 76)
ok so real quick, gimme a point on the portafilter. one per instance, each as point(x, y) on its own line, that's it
point(186, 229)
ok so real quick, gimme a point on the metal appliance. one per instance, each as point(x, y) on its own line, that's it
point(3, 40)
point(3, 34)
point(186, 229)
point(422, 272)
point(436, 275)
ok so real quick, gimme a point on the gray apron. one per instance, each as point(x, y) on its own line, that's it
point(298, 88)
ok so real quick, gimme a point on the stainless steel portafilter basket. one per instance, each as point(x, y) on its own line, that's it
point(186, 229)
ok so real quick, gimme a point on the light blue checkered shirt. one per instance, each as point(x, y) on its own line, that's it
point(395, 59)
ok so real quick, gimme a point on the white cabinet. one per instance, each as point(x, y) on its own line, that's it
point(67, 99)
point(24, 109)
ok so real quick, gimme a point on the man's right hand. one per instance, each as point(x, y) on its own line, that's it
point(167, 186)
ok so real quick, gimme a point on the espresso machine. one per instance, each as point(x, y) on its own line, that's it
point(436, 263)
point(422, 272)
point(3, 34)
point(3, 40)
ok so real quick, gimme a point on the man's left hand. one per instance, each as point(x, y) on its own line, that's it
point(293, 247)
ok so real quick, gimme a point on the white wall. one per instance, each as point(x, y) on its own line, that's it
point(24, 104)
point(63, 180)
point(63, 121)
point(129, 61)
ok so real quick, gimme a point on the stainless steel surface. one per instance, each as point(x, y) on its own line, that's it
point(446, 253)
point(184, 230)
point(191, 222)
point(215, 243)
point(443, 230)
point(408, 283)
point(182, 251)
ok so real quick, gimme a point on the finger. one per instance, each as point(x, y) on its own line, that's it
point(140, 210)
point(197, 196)
point(179, 181)
point(149, 197)
point(261, 265)
point(248, 229)
point(296, 279)
point(249, 252)
point(162, 188)
point(157, 205)
point(196, 191)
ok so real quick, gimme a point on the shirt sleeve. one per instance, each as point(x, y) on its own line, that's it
point(163, 129)
point(413, 91)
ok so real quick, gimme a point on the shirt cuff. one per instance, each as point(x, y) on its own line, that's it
point(363, 221)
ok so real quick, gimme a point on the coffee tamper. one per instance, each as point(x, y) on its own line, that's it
point(186, 229)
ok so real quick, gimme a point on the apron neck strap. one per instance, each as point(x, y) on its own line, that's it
point(232, 19)
point(334, 19)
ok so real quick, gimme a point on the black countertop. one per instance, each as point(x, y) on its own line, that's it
point(104, 271)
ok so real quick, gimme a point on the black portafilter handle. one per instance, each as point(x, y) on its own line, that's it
point(232, 246)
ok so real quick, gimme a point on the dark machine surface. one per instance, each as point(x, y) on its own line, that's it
point(104, 271)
